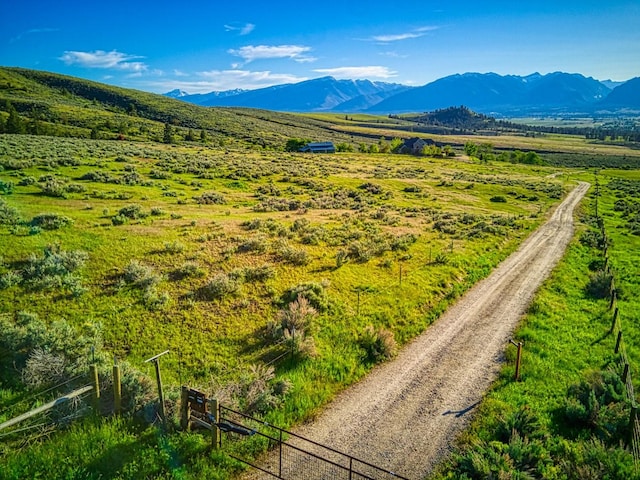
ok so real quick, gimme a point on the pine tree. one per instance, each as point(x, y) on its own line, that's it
point(168, 134)
point(14, 122)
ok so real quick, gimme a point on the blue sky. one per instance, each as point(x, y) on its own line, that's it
point(201, 46)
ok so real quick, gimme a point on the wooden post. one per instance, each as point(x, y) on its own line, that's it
point(215, 412)
point(518, 358)
point(618, 342)
point(156, 362)
point(633, 415)
point(625, 372)
point(93, 373)
point(117, 389)
point(615, 319)
point(163, 413)
point(614, 299)
point(184, 409)
point(400, 275)
point(358, 310)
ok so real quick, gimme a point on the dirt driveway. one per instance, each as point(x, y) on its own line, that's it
point(405, 415)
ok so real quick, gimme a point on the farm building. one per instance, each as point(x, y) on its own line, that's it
point(415, 145)
point(319, 147)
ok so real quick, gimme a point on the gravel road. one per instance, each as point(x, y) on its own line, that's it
point(405, 415)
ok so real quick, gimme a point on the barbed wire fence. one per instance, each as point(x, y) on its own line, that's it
point(620, 349)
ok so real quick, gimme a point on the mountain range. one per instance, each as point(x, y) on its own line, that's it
point(490, 93)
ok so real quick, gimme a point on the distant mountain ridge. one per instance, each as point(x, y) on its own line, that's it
point(321, 94)
point(489, 93)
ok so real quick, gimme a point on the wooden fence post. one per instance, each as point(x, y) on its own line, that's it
point(615, 319)
point(184, 409)
point(93, 375)
point(156, 362)
point(117, 388)
point(618, 341)
point(614, 299)
point(215, 412)
point(625, 372)
point(518, 358)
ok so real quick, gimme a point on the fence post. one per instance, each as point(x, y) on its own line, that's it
point(280, 449)
point(184, 408)
point(615, 319)
point(618, 341)
point(93, 372)
point(632, 419)
point(518, 358)
point(625, 372)
point(156, 362)
point(614, 298)
point(117, 388)
point(215, 433)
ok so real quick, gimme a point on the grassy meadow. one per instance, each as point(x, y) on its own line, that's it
point(277, 279)
point(196, 249)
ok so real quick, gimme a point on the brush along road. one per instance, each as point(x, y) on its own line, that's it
point(405, 415)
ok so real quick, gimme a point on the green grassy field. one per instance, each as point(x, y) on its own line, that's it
point(129, 248)
point(411, 234)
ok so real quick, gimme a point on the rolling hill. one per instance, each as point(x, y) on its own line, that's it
point(67, 106)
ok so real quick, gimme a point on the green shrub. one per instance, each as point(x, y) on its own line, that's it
point(599, 285)
point(139, 275)
point(53, 270)
point(8, 215)
point(220, 286)
point(54, 187)
point(289, 254)
point(210, 198)
point(258, 274)
point(119, 220)
point(133, 212)
point(256, 244)
point(314, 292)
point(50, 221)
point(189, 269)
point(378, 344)
point(498, 199)
point(173, 248)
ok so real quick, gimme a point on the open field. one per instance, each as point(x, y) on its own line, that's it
point(277, 279)
point(223, 237)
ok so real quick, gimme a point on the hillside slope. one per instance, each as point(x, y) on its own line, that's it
point(71, 106)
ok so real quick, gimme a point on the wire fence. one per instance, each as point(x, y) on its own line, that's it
point(624, 364)
point(49, 415)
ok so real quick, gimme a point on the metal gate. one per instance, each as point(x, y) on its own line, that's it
point(292, 457)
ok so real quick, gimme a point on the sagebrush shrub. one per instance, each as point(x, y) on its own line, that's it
point(378, 344)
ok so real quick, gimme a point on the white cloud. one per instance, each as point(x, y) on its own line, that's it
point(415, 33)
point(220, 80)
point(375, 71)
point(101, 59)
point(242, 29)
point(260, 52)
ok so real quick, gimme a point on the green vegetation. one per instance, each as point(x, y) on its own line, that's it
point(569, 417)
point(212, 252)
point(276, 279)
